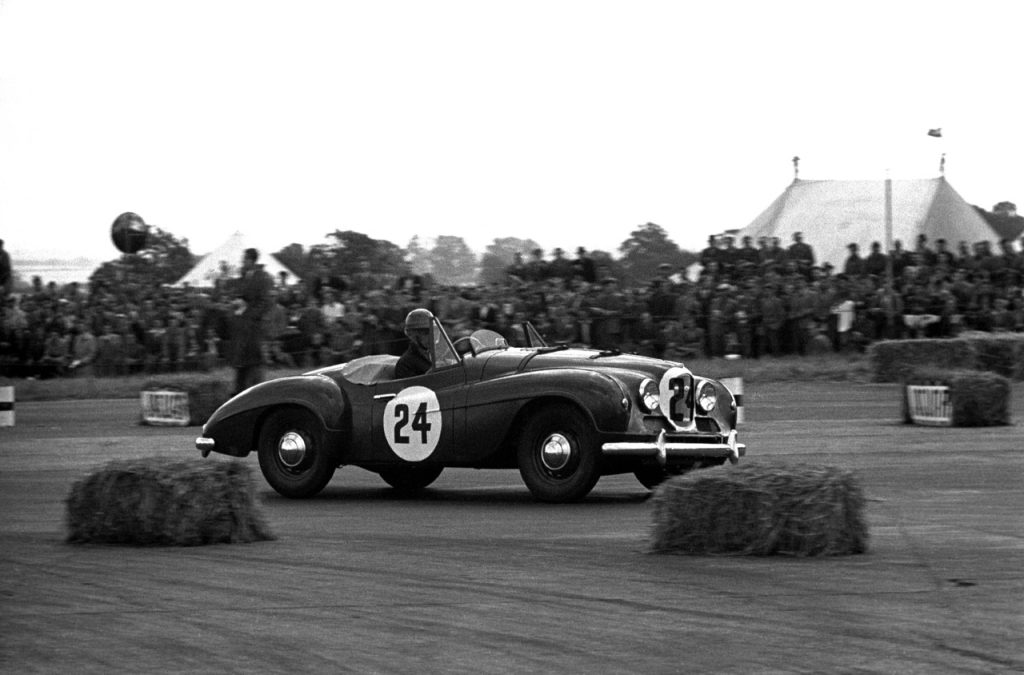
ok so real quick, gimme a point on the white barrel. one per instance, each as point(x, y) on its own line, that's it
point(735, 385)
point(165, 408)
point(6, 406)
point(930, 405)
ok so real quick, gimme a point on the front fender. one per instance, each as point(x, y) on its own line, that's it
point(598, 394)
point(235, 425)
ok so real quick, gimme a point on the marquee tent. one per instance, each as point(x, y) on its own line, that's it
point(225, 261)
point(834, 213)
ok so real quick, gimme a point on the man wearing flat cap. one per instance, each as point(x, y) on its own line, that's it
point(802, 254)
point(854, 265)
point(252, 301)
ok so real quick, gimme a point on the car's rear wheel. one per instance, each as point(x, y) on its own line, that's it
point(293, 455)
point(558, 455)
point(411, 478)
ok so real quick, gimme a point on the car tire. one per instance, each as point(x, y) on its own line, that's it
point(558, 455)
point(294, 457)
point(411, 478)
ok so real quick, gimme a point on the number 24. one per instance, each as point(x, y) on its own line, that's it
point(419, 422)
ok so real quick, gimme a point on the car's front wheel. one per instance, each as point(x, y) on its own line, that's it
point(558, 455)
point(411, 478)
point(293, 455)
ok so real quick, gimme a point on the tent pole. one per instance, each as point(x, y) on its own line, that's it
point(890, 309)
point(888, 230)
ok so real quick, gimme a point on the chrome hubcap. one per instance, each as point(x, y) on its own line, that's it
point(291, 449)
point(555, 452)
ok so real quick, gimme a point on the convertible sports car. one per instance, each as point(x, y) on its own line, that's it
point(564, 417)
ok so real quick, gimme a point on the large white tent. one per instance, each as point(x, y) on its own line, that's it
point(225, 262)
point(834, 213)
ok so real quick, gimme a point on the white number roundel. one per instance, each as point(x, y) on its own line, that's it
point(667, 394)
point(412, 423)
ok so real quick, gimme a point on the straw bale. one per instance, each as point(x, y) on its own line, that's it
point(160, 501)
point(980, 399)
point(893, 360)
point(754, 510)
point(1001, 353)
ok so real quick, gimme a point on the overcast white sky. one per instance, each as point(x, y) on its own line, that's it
point(567, 122)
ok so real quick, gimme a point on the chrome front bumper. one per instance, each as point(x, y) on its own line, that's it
point(664, 449)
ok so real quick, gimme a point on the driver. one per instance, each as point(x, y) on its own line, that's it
point(416, 359)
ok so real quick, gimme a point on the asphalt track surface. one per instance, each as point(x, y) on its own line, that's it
point(473, 576)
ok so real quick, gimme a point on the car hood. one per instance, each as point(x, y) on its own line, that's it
point(524, 360)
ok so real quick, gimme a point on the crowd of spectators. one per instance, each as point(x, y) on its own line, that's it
point(748, 300)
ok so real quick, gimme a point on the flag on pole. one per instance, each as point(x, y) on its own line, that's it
point(935, 133)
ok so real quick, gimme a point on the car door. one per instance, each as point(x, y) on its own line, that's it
point(418, 419)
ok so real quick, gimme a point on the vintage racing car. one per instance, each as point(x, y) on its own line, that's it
point(564, 417)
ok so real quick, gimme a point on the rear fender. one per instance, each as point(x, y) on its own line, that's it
point(235, 425)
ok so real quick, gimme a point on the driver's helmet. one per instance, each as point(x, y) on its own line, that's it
point(418, 319)
point(418, 323)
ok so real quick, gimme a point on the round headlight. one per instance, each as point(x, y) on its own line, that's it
point(707, 397)
point(650, 399)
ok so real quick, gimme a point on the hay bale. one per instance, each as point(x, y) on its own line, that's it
point(894, 360)
point(1001, 353)
point(165, 502)
point(751, 510)
point(206, 393)
point(979, 399)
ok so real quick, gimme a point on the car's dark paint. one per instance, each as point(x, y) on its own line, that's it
point(485, 401)
point(239, 419)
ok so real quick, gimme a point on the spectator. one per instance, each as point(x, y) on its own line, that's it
point(607, 309)
point(179, 328)
point(83, 350)
point(774, 257)
point(926, 256)
point(844, 312)
point(54, 359)
point(729, 257)
point(854, 264)
point(560, 267)
point(252, 302)
point(877, 263)
point(711, 253)
point(312, 326)
point(537, 268)
point(6, 273)
point(802, 254)
point(749, 258)
point(721, 312)
point(275, 324)
point(901, 259)
point(584, 268)
point(109, 352)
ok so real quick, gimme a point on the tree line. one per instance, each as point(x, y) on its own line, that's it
point(445, 260)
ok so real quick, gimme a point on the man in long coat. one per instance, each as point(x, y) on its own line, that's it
point(252, 301)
